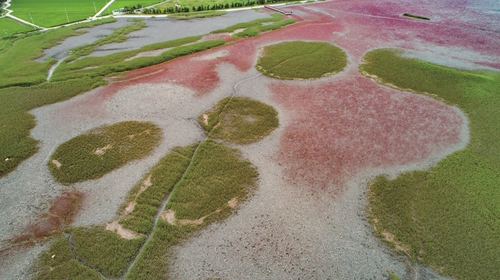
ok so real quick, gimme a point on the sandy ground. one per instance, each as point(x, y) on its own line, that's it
point(284, 231)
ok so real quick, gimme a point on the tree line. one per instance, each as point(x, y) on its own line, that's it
point(199, 8)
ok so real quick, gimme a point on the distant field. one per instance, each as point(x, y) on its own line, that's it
point(52, 12)
point(9, 27)
point(129, 3)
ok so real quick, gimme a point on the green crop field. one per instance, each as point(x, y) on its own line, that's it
point(10, 27)
point(448, 216)
point(53, 12)
point(130, 3)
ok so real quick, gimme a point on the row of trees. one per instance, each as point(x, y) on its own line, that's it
point(200, 8)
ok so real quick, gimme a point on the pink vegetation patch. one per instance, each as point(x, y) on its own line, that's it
point(341, 128)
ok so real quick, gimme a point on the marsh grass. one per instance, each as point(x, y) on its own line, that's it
point(163, 177)
point(447, 216)
point(275, 17)
point(58, 263)
point(216, 175)
point(256, 27)
point(191, 15)
point(240, 120)
point(104, 250)
point(301, 60)
point(92, 155)
point(118, 36)
point(104, 68)
point(17, 65)
point(151, 263)
point(16, 143)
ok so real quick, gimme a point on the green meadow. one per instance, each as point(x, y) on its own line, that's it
point(447, 216)
point(9, 27)
point(53, 12)
point(130, 3)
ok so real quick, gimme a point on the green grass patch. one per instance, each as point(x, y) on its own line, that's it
point(151, 263)
point(162, 179)
point(416, 16)
point(104, 250)
point(255, 30)
point(58, 263)
point(275, 17)
point(118, 36)
point(119, 57)
point(17, 65)
point(203, 14)
point(105, 69)
point(446, 217)
point(92, 155)
point(118, 4)
point(301, 60)
point(240, 120)
point(55, 12)
point(16, 143)
point(216, 175)
point(9, 27)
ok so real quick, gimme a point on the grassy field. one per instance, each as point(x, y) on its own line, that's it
point(129, 3)
point(92, 155)
point(53, 12)
point(240, 120)
point(301, 60)
point(448, 216)
point(9, 27)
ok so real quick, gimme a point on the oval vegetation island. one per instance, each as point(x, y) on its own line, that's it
point(240, 120)
point(103, 149)
point(299, 60)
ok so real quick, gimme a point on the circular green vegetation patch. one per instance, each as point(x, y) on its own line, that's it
point(301, 60)
point(240, 120)
point(91, 155)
